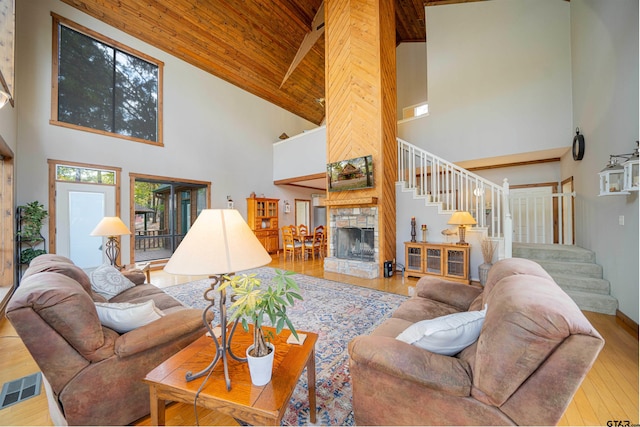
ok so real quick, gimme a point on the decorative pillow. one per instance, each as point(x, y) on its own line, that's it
point(446, 335)
point(123, 316)
point(107, 281)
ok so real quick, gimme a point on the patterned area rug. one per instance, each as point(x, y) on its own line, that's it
point(337, 312)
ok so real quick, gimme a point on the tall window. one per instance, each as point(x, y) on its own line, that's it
point(103, 86)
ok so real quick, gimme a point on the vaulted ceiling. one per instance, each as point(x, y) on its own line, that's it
point(250, 44)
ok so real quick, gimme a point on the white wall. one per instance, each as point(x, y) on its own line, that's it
point(498, 79)
point(522, 175)
point(9, 125)
point(604, 50)
point(213, 131)
point(411, 75)
point(301, 155)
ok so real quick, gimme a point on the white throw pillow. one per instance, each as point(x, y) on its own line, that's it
point(107, 281)
point(446, 335)
point(123, 316)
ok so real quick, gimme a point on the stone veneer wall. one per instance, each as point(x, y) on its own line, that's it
point(366, 217)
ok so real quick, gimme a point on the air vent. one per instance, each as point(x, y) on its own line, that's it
point(21, 389)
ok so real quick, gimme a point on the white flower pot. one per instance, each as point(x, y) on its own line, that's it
point(260, 367)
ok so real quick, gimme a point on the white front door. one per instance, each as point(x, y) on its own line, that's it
point(79, 208)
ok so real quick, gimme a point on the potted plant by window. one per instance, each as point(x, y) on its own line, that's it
point(31, 217)
point(251, 304)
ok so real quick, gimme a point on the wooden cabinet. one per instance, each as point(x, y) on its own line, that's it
point(262, 217)
point(437, 259)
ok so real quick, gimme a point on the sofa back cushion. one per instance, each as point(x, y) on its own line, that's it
point(511, 267)
point(528, 318)
point(66, 268)
point(68, 311)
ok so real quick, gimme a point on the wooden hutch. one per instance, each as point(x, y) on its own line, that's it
point(262, 217)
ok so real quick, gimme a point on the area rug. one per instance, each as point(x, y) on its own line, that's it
point(337, 312)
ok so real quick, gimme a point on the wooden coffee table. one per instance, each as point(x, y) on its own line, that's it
point(254, 405)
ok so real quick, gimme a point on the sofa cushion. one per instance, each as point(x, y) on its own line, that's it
point(512, 267)
point(46, 263)
point(124, 317)
point(416, 309)
point(107, 281)
point(446, 335)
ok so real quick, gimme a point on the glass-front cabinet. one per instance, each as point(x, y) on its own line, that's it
point(262, 217)
point(437, 259)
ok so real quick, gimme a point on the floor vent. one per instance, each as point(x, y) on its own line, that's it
point(21, 389)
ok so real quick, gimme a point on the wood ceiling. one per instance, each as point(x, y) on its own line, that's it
point(250, 44)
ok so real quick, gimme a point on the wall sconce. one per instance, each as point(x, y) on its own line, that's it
point(618, 178)
point(287, 207)
point(229, 203)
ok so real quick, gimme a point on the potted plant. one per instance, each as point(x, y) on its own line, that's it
point(252, 303)
point(31, 217)
point(488, 249)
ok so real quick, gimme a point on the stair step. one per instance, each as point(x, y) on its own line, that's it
point(584, 284)
point(552, 252)
point(571, 268)
point(598, 303)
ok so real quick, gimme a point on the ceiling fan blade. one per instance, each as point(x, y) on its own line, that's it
point(317, 28)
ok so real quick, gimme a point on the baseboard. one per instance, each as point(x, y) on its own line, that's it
point(627, 323)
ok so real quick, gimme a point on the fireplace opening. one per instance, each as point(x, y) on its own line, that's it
point(356, 244)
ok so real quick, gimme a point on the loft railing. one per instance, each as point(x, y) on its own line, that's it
point(440, 181)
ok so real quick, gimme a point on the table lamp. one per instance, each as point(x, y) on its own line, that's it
point(462, 219)
point(111, 227)
point(218, 244)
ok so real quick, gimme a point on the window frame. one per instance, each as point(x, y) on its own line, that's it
point(59, 20)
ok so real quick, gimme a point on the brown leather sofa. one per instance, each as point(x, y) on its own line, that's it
point(534, 349)
point(93, 374)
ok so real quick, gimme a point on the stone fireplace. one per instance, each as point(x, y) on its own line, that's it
point(353, 245)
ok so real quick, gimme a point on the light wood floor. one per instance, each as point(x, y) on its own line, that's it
point(609, 392)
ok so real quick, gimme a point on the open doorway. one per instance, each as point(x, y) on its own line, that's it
point(303, 212)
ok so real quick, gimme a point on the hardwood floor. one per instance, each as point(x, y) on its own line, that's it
point(609, 392)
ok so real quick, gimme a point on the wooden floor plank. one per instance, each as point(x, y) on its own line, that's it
point(598, 400)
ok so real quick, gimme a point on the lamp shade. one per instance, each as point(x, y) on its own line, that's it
point(462, 218)
point(219, 242)
point(110, 226)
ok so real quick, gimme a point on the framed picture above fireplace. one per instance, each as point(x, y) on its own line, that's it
point(351, 174)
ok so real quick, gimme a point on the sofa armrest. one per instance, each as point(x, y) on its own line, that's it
point(393, 357)
point(169, 328)
point(454, 294)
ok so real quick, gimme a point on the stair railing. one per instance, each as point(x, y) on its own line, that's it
point(440, 181)
point(543, 218)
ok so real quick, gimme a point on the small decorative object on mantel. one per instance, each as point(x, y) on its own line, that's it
point(413, 229)
point(488, 250)
point(424, 233)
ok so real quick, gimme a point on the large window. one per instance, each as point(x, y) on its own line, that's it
point(105, 87)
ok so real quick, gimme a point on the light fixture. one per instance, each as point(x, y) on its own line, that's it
point(632, 172)
point(229, 202)
point(111, 227)
point(287, 207)
point(618, 178)
point(218, 244)
point(462, 219)
point(4, 98)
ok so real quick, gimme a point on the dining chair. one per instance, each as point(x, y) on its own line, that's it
point(323, 245)
point(291, 246)
point(315, 244)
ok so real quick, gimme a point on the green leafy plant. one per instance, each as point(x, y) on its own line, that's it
point(252, 303)
point(31, 217)
point(26, 255)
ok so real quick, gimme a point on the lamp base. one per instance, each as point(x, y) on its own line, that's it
point(461, 233)
point(223, 347)
point(112, 250)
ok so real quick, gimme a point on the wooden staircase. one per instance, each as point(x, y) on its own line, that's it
point(576, 271)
